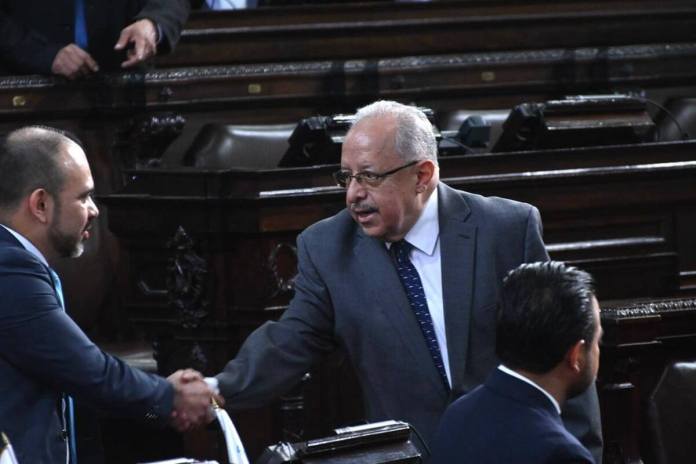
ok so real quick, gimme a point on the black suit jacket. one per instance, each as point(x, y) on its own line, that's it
point(505, 420)
point(33, 31)
point(43, 353)
point(348, 296)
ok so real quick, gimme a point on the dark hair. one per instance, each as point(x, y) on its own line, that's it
point(29, 159)
point(544, 309)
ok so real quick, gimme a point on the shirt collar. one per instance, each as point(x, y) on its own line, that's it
point(27, 244)
point(509, 371)
point(425, 232)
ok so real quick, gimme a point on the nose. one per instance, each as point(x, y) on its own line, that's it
point(92, 208)
point(354, 192)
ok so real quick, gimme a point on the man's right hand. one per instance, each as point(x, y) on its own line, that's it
point(72, 62)
point(192, 400)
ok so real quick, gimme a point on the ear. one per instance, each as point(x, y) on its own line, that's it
point(426, 171)
point(41, 205)
point(575, 358)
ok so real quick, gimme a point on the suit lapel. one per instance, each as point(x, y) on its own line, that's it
point(457, 254)
point(383, 286)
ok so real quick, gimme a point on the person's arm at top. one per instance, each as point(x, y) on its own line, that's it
point(156, 29)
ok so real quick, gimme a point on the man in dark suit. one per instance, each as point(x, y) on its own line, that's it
point(404, 281)
point(548, 333)
point(74, 38)
point(46, 210)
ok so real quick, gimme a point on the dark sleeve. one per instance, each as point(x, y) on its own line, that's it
point(170, 16)
point(277, 354)
point(24, 50)
point(38, 337)
point(535, 250)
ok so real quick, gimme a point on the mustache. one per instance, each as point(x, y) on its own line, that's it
point(362, 208)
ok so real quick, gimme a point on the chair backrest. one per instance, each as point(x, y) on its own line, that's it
point(453, 120)
point(221, 146)
point(672, 414)
point(683, 110)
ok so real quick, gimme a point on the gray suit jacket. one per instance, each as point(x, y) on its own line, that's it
point(348, 295)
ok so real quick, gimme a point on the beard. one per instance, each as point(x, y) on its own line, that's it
point(67, 245)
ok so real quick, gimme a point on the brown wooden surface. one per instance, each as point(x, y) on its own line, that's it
point(357, 11)
point(449, 29)
point(641, 338)
point(286, 92)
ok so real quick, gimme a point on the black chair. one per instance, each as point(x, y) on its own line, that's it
point(672, 415)
point(220, 146)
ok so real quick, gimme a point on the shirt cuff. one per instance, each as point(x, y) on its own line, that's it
point(213, 384)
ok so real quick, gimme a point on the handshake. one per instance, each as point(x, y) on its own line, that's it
point(193, 400)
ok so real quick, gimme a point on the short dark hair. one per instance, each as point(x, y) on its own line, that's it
point(544, 309)
point(29, 160)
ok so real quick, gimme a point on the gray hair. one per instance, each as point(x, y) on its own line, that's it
point(29, 160)
point(414, 137)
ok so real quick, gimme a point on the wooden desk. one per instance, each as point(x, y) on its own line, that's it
point(640, 339)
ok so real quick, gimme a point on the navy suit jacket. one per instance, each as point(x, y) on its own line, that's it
point(348, 296)
point(43, 353)
point(505, 420)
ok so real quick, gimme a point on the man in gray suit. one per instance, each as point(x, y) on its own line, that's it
point(415, 318)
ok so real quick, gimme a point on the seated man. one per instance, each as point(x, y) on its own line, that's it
point(548, 333)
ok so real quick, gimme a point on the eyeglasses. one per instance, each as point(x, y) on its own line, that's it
point(371, 179)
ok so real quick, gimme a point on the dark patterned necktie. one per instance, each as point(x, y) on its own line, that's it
point(416, 298)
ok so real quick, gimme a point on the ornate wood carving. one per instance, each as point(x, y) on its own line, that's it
point(284, 272)
point(143, 141)
point(650, 308)
point(186, 281)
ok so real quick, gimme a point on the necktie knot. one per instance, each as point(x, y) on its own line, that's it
point(402, 248)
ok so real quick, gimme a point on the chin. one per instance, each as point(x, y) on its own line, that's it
point(76, 251)
point(79, 249)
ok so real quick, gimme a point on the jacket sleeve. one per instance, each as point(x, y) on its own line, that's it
point(534, 250)
point(24, 50)
point(170, 16)
point(42, 341)
point(276, 355)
